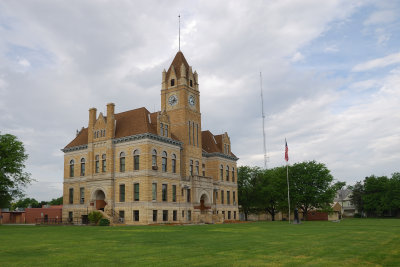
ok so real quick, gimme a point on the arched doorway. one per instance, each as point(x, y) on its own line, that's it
point(100, 200)
point(204, 203)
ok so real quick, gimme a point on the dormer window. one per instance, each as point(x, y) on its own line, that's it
point(172, 82)
point(161, 129)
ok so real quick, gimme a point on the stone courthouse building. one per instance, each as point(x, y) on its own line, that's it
point(138, 167)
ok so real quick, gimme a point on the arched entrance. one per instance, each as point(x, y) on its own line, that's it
point(100, 200)
point(204, 203)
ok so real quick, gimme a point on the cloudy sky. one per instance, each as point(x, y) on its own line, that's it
point(330, 74)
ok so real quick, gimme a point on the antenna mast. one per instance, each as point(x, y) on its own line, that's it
point(263, 123)
point(179, 32)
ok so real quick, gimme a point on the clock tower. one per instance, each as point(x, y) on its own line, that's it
point(180, 99)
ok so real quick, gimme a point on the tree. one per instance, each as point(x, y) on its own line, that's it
point(26, 203)
point(56, 201)
point(246, 188)
point(12, 176)
point(357, 196)
point(311, 186)
point(271, 190)
point(95, 216)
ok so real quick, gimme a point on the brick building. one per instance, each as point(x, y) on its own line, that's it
point(139, 167)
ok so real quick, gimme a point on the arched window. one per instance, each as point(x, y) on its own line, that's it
point(191, 167)
point(227, 172)
point(221, 172)
point(172, 82)
point(97, 165)
point(82, 167)
point(197, 168)
point(71, 168)
point(164, 161)
point(103, 163)
point(233, 174)
point(136, 159)
point(154, 159)
point(97, 134)
point(122, 162)
point(191, 83)
point(161, 129)
point(173, 163)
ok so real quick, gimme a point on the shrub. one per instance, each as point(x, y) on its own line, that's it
point(95, 216)
point(357, 215)
point(104, 222)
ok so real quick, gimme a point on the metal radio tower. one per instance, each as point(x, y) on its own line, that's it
point(263, 117)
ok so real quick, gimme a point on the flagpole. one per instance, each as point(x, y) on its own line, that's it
point(288, 195)
point(287, 176)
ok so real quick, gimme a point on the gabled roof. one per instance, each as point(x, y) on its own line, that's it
point(128, 123)
point(212, 143)
point(177, 63)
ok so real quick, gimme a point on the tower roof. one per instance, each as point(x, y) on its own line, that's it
point(177, 63)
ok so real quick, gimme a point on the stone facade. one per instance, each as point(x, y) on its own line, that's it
point(138, 167)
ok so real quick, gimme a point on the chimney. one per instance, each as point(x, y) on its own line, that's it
point(110, 120)
point(92, 121)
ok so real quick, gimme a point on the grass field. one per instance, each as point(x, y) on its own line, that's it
point(352, 242)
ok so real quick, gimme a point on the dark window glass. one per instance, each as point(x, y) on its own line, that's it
point(103, 163)
point(228, 197)
point(164, 161)
point(234, 215)
point(71, 196)
point(191, 168)
point(165, 215)
point(136, 215)
point(191, 83)
point(97, 164)
point(136, 192)
point(121, 214)
point(221, 172)
point(188, 195)
point(154, 191)
point(154, 158)
point(174, 193)
point(136, 160)
point(229, 215)
point(173, 163)
point(222, 196)
point(172, 82)
point(122, 162)
point(234, 197)
point(82, 195)
point(71, 168)
point(164, 192)
point(227, 173)
point(82, 167)
point(121, 193)
point(174, 215)
point(154, 215)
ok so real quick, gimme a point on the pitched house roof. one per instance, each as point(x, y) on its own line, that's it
point(212, 143)
point(128, 123)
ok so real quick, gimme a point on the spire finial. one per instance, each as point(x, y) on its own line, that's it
point(179, 32)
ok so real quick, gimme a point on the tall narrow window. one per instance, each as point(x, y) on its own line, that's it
point(136, 192)
point(164, 192)
point(154, 191)
point(136, 160)
point(174, 215)
point(121, 193)
point(121, 214)
point(191, 83)
point(103, 163)
point(225, 148)
point(193, 135)
point(82, 195)
point(221, 172)
point(173, 163)
point(161, 129)
point(122, 162)
point(166, 130)
point(227, 172)
point(197, 168)
point(136, 215)
point(71, 168)
point(154, 215)
point(164, 161)
point(228, 197)
point(188, 195)
point(71, 196)
point(154, 159)
point(82, 167)
point(165, 215)
point(234, 197)
point(172, 82)
point(197, 134)
point(233, 174)
point(222, 196)
point(191, 168)
point(174, 193)
point(97, 165)
point(189, 133)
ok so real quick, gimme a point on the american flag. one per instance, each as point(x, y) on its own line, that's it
point(286, 151)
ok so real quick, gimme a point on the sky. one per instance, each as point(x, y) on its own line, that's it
point(330, 76)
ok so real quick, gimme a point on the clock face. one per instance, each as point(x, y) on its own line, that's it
point(173, 100)
point(191, 100)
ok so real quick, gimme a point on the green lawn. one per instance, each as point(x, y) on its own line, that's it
point(367, 242)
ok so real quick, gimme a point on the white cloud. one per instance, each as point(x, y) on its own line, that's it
point(24, 62)
point(297, 57)
point(331, 49)
point(378, 62)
